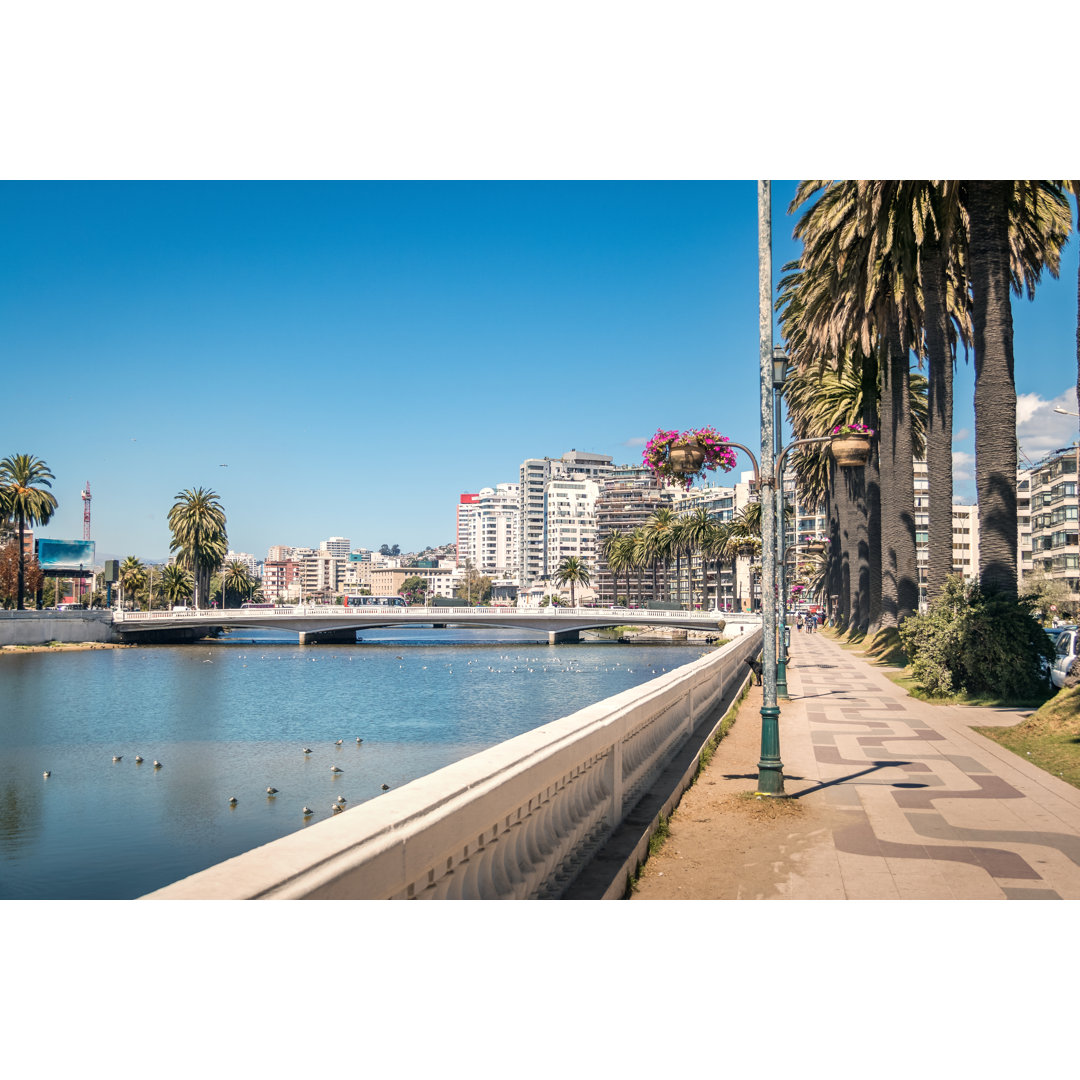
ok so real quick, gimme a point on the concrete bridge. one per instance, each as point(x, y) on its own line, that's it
point(336, 623)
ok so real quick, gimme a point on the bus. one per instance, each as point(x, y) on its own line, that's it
point(375, 601)
point(249, 604)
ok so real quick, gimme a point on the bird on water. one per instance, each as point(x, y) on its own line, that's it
point(341, 798)
point(307, 812)
point(307, 750)
point(386, 787)
point(138, 759)
point(157, 764)
point(46, 774)
point(334, 768)
point(271, 791)
point(338, 743)
point(232, 801)
point(118, 757)
point(358, 740)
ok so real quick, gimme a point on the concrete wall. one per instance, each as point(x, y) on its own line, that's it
point(521, 820)
point(41, 627)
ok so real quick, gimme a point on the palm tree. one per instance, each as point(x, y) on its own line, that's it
point(197, 521)
point(131, 578)
point(613, 551)
point(23, 479)
point(176, 583)
point(235, 576)
point(998, 232)
point(697, 529)
point(572, 571)
point(656, 543)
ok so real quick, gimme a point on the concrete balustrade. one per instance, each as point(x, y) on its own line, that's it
point(518, 821)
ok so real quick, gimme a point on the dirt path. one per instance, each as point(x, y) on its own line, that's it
point(725, 844)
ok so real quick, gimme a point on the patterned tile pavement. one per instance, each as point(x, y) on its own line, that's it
point(919, 805)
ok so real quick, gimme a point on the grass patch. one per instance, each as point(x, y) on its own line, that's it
point(1049, 738)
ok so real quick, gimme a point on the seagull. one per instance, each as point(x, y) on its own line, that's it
point(232, 801)
point(118, 757)
point(336, 808)
point(334, 768)
point(271, 791)
point(338, 743)
point(138, 759)
point(358, 740)
point(46, 774)
point(307, 750)
point(386, 787)
point(341, 798)
point(307, 812)
point(157, 764)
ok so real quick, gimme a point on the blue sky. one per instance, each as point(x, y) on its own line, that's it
point(358, 354)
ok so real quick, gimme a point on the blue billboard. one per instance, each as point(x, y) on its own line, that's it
point(69, 555)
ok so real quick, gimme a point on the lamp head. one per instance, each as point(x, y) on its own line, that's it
point(779, 367)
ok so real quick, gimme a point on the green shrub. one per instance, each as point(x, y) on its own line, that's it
point(979, 643)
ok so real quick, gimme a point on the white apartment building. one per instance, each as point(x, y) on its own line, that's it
point(534, 475)
point(465, 532)
point(965, 540)
point(570, 522)
point(249, 561)
point(494, 543)
point(1053, 532)
point(279, 553)
point(336, 545)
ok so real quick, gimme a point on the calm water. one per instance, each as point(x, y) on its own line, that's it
point(232, 717)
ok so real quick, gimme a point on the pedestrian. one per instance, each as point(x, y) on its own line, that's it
point(798, 622)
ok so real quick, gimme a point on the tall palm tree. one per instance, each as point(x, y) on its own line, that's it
point(659, 530)
point(176, 583)
point(998, 231)
point(197, 521)
point(572, 571)
point(638, 554)
point(23, 498)
point(613, 551)
point(697, 529)
point(131, 578)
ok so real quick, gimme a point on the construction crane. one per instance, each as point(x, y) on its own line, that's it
point(86, 511)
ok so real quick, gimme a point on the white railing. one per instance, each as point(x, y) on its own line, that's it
point(517, 821)
point(413, 613)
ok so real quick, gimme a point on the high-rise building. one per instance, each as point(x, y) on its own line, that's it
point(626, 501)
point(534, 475)
point(1050, 486)
point(494, 549)
point(570, 522)
point(465, 534)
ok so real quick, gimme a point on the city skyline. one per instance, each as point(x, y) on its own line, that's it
point(348, 358)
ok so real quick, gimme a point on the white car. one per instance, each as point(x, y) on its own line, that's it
point(1064, 655)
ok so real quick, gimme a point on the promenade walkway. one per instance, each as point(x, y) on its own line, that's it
point(895, 799)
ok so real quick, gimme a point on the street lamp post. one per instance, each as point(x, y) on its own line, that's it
point(779, 374)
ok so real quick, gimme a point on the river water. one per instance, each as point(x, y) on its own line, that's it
point(231, 718)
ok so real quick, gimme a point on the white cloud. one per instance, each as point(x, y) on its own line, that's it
point(1039, 429)
point(961, 435)
point(639, 441)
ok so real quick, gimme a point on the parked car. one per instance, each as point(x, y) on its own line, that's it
point(1064, 653)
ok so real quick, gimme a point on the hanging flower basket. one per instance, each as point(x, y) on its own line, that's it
point(677, 457)
point(815, 547)
point(851, 444)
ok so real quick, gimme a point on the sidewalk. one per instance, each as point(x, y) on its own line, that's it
point(894, 799)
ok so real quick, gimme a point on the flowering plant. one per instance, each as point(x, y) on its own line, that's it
point(657, 455)
point(854, 428)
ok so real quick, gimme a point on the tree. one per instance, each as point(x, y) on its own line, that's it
point(235, 576)
point(132, 577)
point(659, 542)
point(23, 499)
point(414, 590)
point(10, 567)
point(476, 588)
point(617, 555)
point(176, 583)
point(197, 521)
point(572, 571)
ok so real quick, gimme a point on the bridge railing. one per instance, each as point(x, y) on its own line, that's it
point(410, 613)
point(517, 821)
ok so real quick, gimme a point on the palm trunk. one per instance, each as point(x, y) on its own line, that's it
point(899, 573)
point(939, 422)
point(870, 583)
point(995, 388)
point(22, 567)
